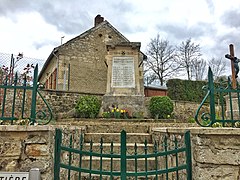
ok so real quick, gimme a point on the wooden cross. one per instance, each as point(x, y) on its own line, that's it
point(231, 57)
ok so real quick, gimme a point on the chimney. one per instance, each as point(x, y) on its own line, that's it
point(98, 20)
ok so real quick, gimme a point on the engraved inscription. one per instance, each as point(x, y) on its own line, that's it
point(123, 72)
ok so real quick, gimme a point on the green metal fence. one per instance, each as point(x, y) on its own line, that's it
point(14, 95)
point(173, 162)
point(224, 104)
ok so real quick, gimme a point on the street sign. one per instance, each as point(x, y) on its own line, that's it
point(14, 175)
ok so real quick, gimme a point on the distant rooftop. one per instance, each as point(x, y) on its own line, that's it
point(154, 86)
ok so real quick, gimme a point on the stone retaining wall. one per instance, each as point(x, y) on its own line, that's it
point(183, 111)
point(26, 147)
point(215, 151)
point(63, 104)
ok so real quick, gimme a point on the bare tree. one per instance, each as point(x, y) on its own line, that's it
point(160, 63)
point(199, 69)
point(218, 67)
point(187, 54)
point(149, 76)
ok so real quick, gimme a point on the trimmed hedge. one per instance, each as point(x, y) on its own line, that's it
point(186, 90)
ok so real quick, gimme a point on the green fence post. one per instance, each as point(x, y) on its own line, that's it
point(14, 96)
point(34, 95)
point(123, 156)
point(24, 94)
point(4, 97)
point(212, 99)
point(188, 155)
point(57, 153)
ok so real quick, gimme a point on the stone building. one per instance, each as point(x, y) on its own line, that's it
point(79, 65)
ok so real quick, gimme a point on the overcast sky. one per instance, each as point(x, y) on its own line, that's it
point(35, 27)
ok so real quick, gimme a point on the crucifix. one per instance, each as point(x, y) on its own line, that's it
point(234, 65)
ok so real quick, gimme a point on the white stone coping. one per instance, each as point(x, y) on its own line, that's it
point(199, 130)
point(38, 127)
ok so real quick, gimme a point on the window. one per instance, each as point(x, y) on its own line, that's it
point(50, 81)
point(46, 84)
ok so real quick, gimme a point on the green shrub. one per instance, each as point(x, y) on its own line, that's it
point(191, 120)
point(160, 107)
point(88, 106)
point(106, 114)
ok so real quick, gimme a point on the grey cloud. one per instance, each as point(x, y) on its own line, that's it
point(39, 44)
point(71, 17)
point(219, 48)
point(67, 17)
point(118, 14)
point(182, 32)
point(231, 18)
point(221, 45)
point(211, 6)
point(230, 38)
point(9, 8)
point(125, 28)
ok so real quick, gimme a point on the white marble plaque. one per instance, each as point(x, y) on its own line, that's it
point(123, 72)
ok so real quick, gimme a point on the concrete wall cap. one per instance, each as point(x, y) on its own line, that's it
point(38, 127)
point(200, 130)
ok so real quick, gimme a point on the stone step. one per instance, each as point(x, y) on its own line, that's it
point(116, 125)
point(116, 138)
point(116, 164)
point(97, 177)
point(116, 128)
point(117, 147)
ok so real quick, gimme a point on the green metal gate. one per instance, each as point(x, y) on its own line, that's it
point(13, 101)
point(173, 160)
point(224, 104)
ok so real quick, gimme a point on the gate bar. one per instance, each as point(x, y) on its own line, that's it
point(123, 155)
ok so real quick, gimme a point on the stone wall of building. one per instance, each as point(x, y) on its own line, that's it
point(83, 61)
point(46, 77)
point(215, 151)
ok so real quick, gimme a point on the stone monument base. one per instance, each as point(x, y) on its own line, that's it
point(132, 104)
point(235, 107)
point(235, 114)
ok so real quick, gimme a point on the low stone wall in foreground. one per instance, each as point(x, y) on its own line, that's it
point(215, 151)
point(26, 147)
